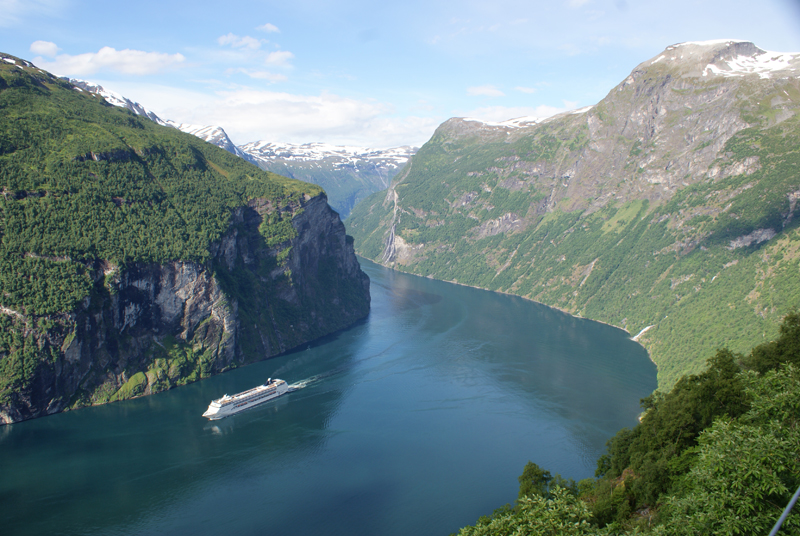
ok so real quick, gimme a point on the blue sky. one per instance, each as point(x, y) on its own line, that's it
point(374, 74)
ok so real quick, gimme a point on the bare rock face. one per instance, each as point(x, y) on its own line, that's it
point(150, 327)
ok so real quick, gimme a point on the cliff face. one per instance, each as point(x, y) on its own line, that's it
point(669, 206)
point(135, 257)
point(148, 327)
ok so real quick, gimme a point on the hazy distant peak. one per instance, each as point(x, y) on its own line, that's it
point(346, 154)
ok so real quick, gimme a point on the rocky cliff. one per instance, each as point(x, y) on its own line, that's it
point(135, 258)
point(669, 206)
point(149, 327)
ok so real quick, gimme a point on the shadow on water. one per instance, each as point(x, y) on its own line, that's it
point(415, 421)
point(589, 375)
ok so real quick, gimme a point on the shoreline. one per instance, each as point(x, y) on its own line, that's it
point(634, 339)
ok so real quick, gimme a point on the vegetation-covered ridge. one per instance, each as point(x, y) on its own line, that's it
point(718, 454)
point(670, 206)
point(104, 212)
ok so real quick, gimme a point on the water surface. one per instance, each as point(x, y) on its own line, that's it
point(415, 421)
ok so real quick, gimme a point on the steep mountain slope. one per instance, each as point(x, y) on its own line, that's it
point(135, 257)
point(668, 209)
point(348, 174)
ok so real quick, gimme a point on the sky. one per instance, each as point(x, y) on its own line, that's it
point(372, 74)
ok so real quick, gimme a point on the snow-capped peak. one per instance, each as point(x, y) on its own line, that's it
point(345, 155)
point(339, 155)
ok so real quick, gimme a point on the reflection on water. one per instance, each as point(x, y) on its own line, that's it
point(415, 421)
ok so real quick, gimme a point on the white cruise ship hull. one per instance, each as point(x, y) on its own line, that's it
point(230, 405)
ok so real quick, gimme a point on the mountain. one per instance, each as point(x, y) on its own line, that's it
point(212, 134)
point(116, 99)
point(668, 209)
point(135, 257)
point(348, 174)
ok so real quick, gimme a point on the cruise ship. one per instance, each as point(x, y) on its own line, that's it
point(228, 405)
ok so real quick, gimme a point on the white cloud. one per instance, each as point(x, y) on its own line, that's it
point(577, 3)
point(249, 114)
point(259, 75)
point(135, 62)
point(279, 58)
point(526, 89)
point(269, 28)
point(45, 48)
point(239, 42)
point(486, 91)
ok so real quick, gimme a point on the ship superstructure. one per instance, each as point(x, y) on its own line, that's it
point(228, 405)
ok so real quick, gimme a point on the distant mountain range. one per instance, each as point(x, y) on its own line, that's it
point(670, 208)
point(348, 174)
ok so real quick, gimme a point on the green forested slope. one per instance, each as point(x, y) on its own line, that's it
point(715, 455)
point(671, 205)
point(95, 199)
point(84, 180)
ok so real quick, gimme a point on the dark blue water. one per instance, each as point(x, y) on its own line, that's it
point(416, 421)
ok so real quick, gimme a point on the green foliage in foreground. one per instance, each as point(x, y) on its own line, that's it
point(716, 455)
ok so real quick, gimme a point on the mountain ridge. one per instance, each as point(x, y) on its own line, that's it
point(347, 173)
point(642, 210)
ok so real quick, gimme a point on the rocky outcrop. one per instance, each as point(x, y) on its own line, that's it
point(149, 327)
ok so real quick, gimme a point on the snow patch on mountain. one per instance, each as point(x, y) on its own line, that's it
point(524, 122)
point(17, 62)
point(764, 65)
point(212, 134)
point(518, 122)
point(115, 99)
point(732, 57)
